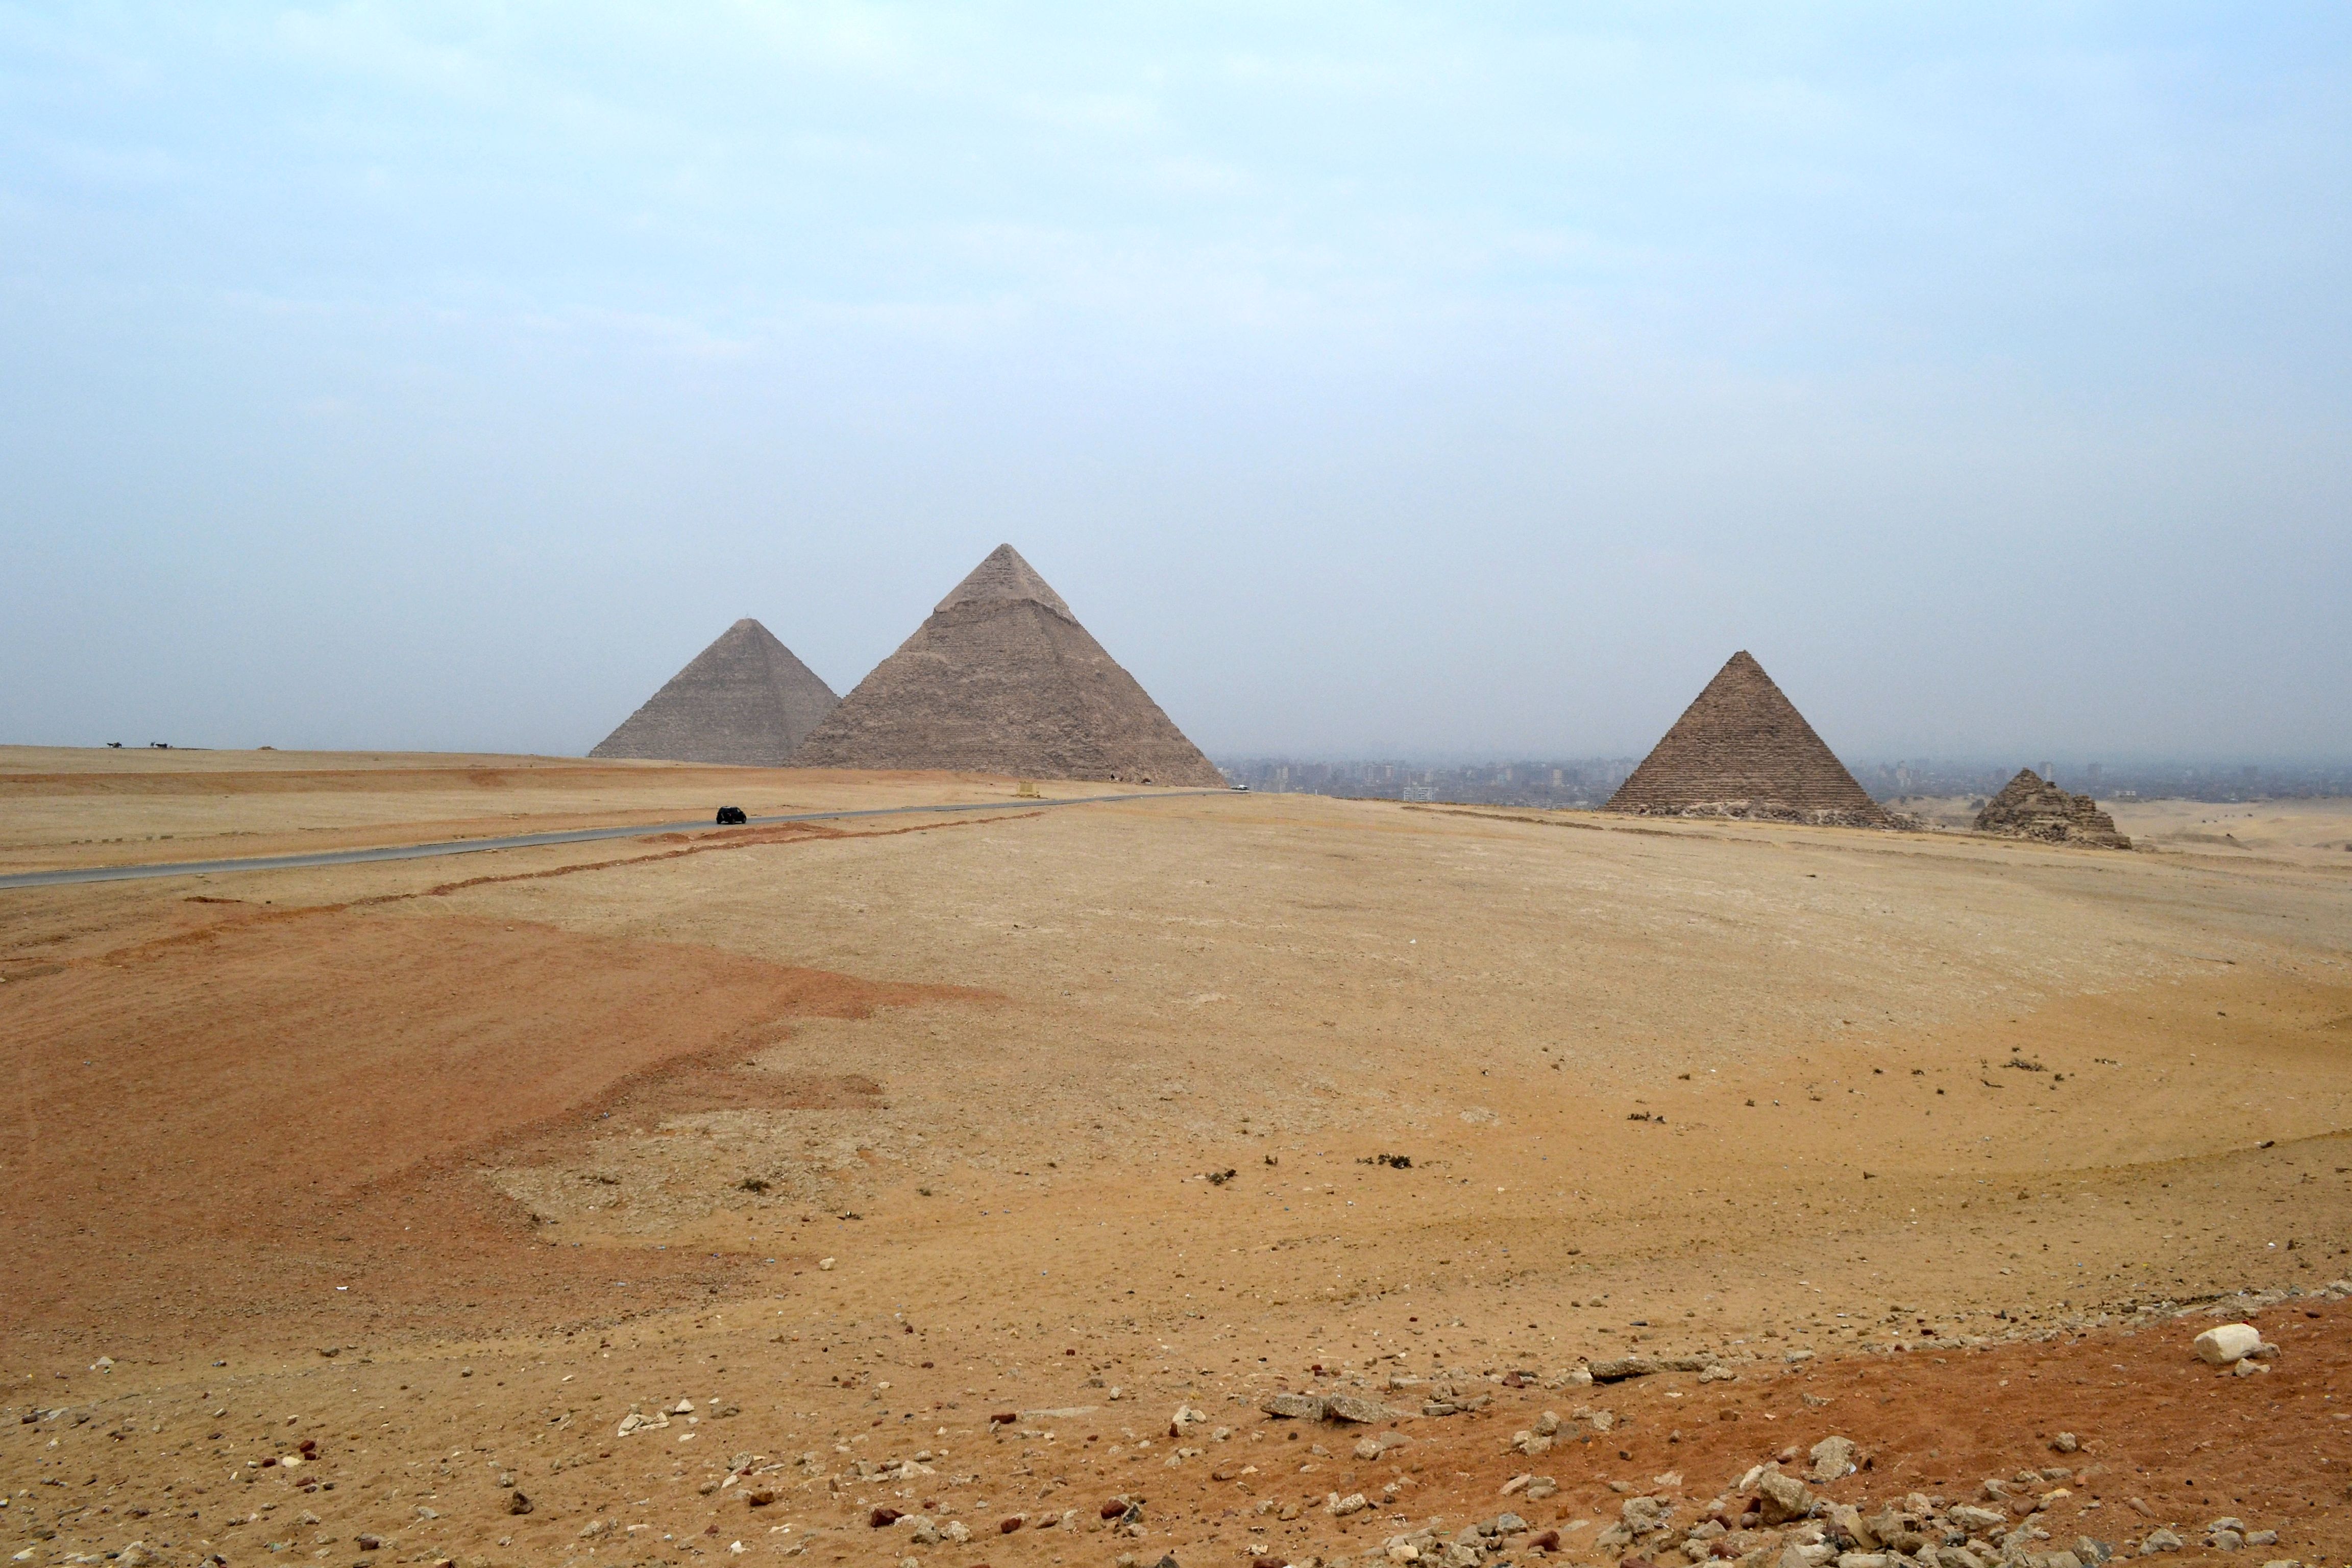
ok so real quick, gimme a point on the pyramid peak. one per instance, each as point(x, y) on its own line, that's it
point(1004, 576)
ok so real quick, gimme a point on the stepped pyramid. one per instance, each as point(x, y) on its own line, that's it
point(1002, 679)
point(2031, 807)
point(1743, 750)
point(744, 699)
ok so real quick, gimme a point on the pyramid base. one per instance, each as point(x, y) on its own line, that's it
point(1750, 811)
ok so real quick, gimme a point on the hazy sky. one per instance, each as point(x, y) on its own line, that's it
point(1370, 379)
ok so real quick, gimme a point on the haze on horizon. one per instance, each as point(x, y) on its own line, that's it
point(1371, 380)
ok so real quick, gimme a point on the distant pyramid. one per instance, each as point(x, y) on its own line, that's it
point(2030, 807)
point(744, 699)
point(1743, 750)
point(1002, 679)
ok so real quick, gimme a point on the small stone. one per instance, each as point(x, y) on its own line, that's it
point(1542, 1486)
point(1367, 1449)
point(1832, 1459)
point(1783, 1496)
point(2248, 1368)
point(1548, 1423)
point(824, 1263)
point(1293, 1406)
point(1341, 1507)
point(759, 1497)
point(1620, 1368)
point(2066, 1442)
point(1356, 1408)
point(883, 1517)
point(2261, 1538)
point(2229, 1343)
point(2158, 1539)
point(518, 1504)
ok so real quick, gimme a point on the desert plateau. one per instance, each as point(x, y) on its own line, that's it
point(989, 1175)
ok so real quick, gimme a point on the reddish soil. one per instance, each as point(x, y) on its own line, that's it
point(220, 1126)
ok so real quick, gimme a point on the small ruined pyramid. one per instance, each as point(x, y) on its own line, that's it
point(744, 699)
point(2031, 807)
point(1002, 679)
point(1743, 750)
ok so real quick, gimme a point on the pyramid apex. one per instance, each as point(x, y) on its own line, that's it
point(1004, 575)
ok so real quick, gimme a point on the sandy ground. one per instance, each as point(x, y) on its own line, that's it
point(855, 1137)
point(2302, 832)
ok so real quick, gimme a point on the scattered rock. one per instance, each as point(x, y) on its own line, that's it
point(1832, 1459)
point(2229, 1343)
point(1293, 1406)
point(1783, 1496)
point(518, 1504)
point(2066, 1442)
point(1618, 1368)
point(2158, 1539)
point(1355, 1408)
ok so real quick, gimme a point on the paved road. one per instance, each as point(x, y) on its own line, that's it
point(519, 841)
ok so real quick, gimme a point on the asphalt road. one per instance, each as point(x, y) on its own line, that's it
point(519, 841)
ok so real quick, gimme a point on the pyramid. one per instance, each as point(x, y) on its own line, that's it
point(1002, 679)
point(1743, 750)
point(2030, 807)
point(744, 699)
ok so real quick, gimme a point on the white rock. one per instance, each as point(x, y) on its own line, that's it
point(824, 1263)
point(2229, 1343)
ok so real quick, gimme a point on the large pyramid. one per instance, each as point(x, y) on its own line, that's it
point(744, 699)
point(1743, 750)
point(1002, 679)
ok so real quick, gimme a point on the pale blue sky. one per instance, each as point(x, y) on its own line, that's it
point(1371, 379)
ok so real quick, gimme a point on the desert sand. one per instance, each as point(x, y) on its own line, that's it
point(857, 1137)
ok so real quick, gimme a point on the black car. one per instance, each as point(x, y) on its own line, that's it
point(732, 816)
